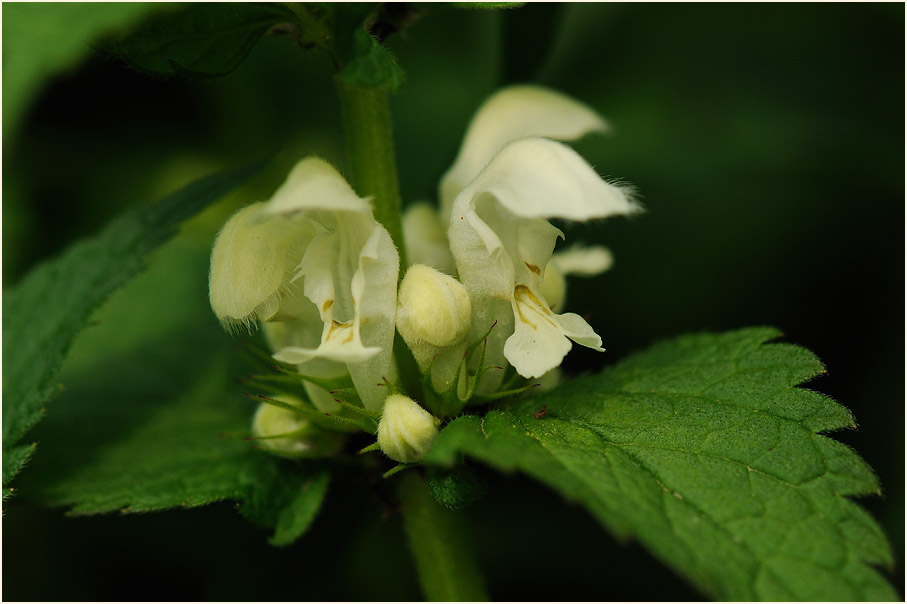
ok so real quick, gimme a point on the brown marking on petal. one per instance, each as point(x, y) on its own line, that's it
point(522, 292)
point(523, 318)
point(327, 305)
point(534, 269)
point(334, 325)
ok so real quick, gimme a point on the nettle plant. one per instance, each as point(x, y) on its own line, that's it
point(422, 344)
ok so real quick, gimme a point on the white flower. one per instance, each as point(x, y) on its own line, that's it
point(506, 185)
point(315, 258)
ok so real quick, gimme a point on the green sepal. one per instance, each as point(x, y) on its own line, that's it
point(450, 402)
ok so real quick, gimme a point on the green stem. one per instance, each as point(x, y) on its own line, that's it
point(370, 155)
point(438, 539)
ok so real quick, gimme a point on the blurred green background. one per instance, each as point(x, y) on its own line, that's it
point(766, 141)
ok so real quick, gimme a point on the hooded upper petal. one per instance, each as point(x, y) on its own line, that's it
point(315, 255)
point(251, 262)
point(502, 242)
point(511, 114)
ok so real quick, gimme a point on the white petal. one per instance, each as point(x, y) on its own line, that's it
point(314, 184)
point(538, 344)
point(250, 263)
point(576, 328)
point(374, 291)
point(426, 239)
point(306, 333)
point(539, 178)
point(513, 113)
point(583, 261)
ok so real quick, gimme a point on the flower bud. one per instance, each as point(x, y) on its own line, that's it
point(406, 430)
point(432, 307)
point(302, 438)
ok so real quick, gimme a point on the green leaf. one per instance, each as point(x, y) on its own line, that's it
point(286, 497)
point(153, 418)
point(703, 449)
point(41, 40)
point(488, 5)
point(456, 488)
point(149, 432)
point(200, 40)
point(371, 65)
point(43, 314)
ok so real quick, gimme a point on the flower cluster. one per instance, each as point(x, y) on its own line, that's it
point(477, 307)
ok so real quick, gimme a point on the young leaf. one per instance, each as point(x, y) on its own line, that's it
point(286, 497)
point(703, 449)
point(50, 306)
point(200, 40)
point(371, 65)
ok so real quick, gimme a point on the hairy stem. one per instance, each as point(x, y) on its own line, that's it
point(438, 539)
point(370, 155)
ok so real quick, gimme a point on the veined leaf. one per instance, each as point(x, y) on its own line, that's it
point(704, 450)
point(152, 417)
point(200, 40)
point(44, 313)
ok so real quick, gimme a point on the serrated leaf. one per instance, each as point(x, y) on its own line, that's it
point(42, 39)
point(200, 40)
point(152, 417)
point(703, 449)
point(43, 314)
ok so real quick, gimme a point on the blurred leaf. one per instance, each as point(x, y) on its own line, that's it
point(200, 40)
point(43, 314)
point(456, 488)
point(42, 39)
point(152, 438)
point(286, 498)
point(703, 449)
point(166, 433)
point(151, 418)
point(487, 5)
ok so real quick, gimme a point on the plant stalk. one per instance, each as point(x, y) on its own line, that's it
point(438, 539)
point(370, 156)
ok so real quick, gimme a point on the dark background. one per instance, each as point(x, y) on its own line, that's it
point(766, 141)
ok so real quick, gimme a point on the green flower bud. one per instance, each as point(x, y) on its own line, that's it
point(406, 430)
